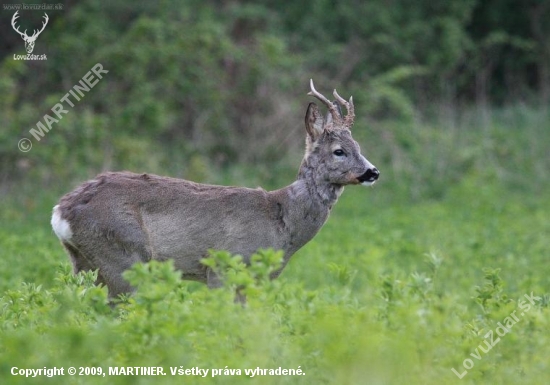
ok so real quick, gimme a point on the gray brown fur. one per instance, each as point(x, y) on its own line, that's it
point(120, 218)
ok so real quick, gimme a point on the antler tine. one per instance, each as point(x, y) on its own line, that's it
point(13, 19)
point(350, 115)
point(331, 107)
point(341, 100)
point(36, 33)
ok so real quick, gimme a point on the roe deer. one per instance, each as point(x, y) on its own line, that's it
point(120, 218)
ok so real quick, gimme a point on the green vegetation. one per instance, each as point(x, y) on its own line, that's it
point(195, 86)
point(388, 292)
point(419, 275)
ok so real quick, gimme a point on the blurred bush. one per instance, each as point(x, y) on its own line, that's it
point(197, 87)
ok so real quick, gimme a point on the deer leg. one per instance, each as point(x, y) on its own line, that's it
point(113, 253)
point(214, 281)
point(112, 270)
point(81, 262)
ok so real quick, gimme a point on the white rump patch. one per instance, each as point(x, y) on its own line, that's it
point(61, 227)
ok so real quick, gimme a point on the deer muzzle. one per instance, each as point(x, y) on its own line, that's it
point(369, 177)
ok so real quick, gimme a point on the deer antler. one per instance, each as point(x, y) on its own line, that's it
point(331, 107)
point(350, 115)
point(35, 34)
point(15, 16)
point(24, 34)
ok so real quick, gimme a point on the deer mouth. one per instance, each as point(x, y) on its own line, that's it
point(369, 177)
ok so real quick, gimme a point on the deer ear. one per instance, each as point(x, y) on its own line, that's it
point(314, 121)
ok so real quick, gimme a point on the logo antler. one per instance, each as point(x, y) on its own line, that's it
point(29, 40)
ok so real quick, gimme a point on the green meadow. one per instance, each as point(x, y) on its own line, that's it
point(442, 282)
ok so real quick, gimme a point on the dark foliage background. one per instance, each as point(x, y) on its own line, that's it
point(216, 90)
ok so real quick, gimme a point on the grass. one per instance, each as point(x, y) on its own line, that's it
point(388, 292)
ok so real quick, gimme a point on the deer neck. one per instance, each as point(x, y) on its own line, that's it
point(304, 207)
point(318, 191)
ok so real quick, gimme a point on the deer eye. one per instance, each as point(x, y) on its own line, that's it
point(339, 152)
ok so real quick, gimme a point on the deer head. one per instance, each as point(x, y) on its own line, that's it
point(29, 40)
point(331, 153)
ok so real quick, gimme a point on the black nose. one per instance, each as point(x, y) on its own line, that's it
point(370, 175)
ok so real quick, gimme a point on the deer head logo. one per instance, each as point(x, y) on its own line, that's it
point(29, 40)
